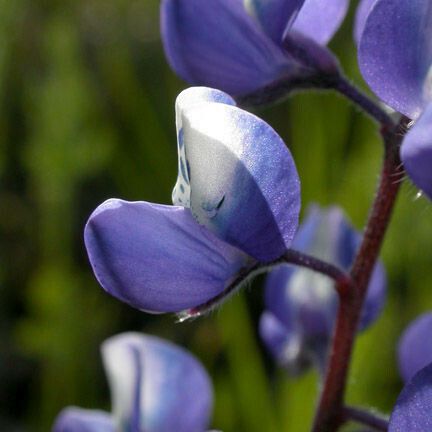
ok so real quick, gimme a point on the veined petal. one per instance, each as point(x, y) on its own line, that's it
point(74, 419)
point(157, 258)
point(319, 20)
point(157, 385)
point(413, 408)
point(362, 13)
point(217, 44)
point(274, 16)
point(244, 184)
point(188, 99)
point(415, 347)
point(395, 53)
point(416, 152)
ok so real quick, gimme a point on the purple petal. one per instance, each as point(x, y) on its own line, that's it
point(274, 16)
point(311, 54)
point(217, 44)
point(416, 152)
point(284, 344)
point(362, 13)
point(244, 184)
point(174, 390)
point(74, 419)
point(298, 296)
point(395, 53)
point(157, 258)
point(415, 347)
point(412, 412)
point(319, 20)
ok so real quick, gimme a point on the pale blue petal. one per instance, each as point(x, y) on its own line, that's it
point(319, 20)
point(156, 386)
point(285, 344)
point(74, 419)
point(362, 13)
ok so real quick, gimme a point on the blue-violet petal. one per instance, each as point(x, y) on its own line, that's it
point(415, 347)
point(74, 419)
point(416, 152)
point(156, 386)
point(244, 184)
point(395, 53)
point(157, 258)
point(413, 408)
point(217, 44)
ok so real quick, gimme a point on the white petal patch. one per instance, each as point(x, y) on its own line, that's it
point(213, 154)
point(120, 367)
point(190, 98)
point(181, 191)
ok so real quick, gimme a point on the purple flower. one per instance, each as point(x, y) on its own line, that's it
point(413, 408)
point(237, 200)
point(243, 46)
point(415, 347)
point(395, 56)
point(156, 386)
point(395, 53)
point(301, 305)
point(416, 152)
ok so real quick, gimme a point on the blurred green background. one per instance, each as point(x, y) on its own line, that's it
point(87, 113)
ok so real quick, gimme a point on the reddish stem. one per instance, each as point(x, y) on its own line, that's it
point(330, 414)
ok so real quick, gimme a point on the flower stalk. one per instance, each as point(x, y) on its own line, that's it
point(330, 413)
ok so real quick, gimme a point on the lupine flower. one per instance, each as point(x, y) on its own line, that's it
point(155, 385)
point(416, 152)
point(243, 46)
point(395, 56)
point(236, 202)
point(415, 347)
point(413, 408)
point(301, 305)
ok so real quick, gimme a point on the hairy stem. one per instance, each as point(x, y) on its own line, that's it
point(329, 415)
point(355, 95)
point(366, 418)
point(342, 279)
